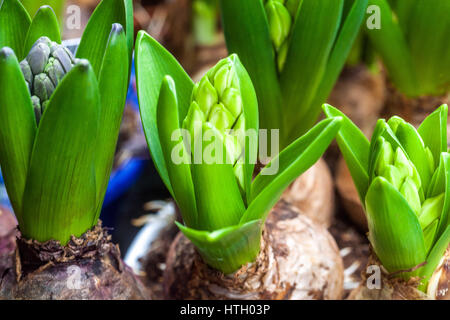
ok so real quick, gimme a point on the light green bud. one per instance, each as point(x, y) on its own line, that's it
point(280, 22)
point(193, 122)
point(411, 194)
point(431, 210)
point(232, 99)
point(221, 118)
point(393, 175)
point(224, 78)
point(206, 95)
point(385, 157)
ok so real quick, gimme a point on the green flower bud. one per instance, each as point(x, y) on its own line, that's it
point(394, 122)
point(224, 78)
point(431, 210)
point(43, 69)
point(385, 158)
point(205, 95)
point(393, 175)
point(193, 122)
point(221, 118)
point(280, 22)
point(43, 87)
point(411, 193)
point(406, 167)
point(233, 101)
point(217, 100)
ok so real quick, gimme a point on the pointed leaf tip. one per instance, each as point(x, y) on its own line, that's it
point(6, 52)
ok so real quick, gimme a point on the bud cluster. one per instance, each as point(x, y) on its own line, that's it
point(394, 166)
point(43, 69)
point(281, 15)
point(217, 100)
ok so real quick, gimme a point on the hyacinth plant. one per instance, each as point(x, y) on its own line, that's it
point(403, 179)
point(413, 42)
point(223, 208)
point(59, 122)
point(294, 51)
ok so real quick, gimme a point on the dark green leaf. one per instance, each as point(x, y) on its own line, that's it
point(113, 85)
point(60, 193)
point(95, 37)
point(312, 38)
point(153, 63)
point(435, 256)
point(17, 128)
point(250, 39)
point(391, 44)
point(347, 35)
point(44, 24)
point(14, 24)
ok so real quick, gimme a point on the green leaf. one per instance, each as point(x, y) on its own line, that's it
point(60, 193)
point(268, 186)
point(14, 24)
point(312, 38)
point(250, 102)
point(17, 128)
point(219, 201)
point(32, 6)
point(44, 24)
point(95, 37)
point(112, 79)
point(153, 63)
point(429, 234)
point(394, 230)
point(428, 37)
point(180, 173)
point(436, 122)
point(354, 147)
point(444, 220)
point(435, 256)
point(413, 145)
point(229, 248)
point(250, 39)
point(391, 44)
point(347, 35)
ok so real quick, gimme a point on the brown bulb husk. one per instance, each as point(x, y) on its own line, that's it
point(87, 268)
point(394, 288)
point(8, 232)
point(313, 194)
point(349, 196)
point(299, 259)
